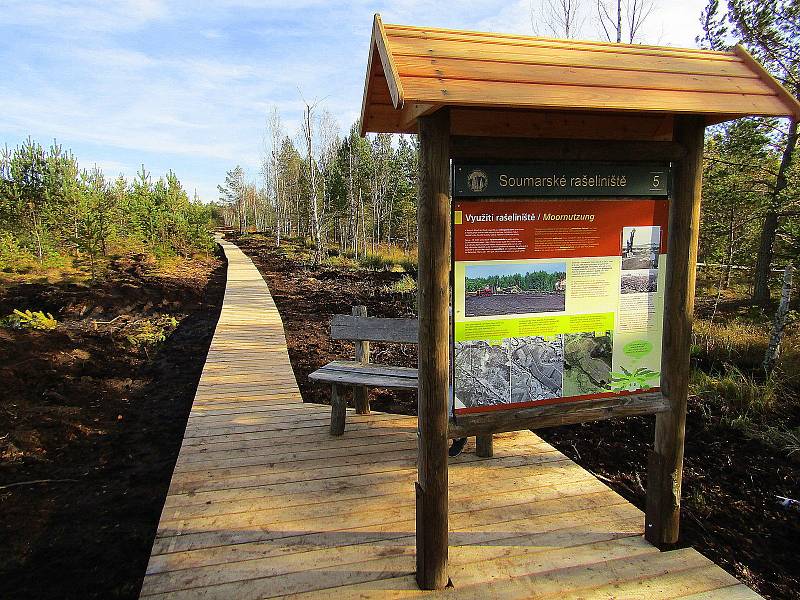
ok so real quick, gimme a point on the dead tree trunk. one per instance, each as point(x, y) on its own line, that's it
point(779, 326)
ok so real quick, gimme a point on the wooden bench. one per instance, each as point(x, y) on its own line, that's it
point(361, 374)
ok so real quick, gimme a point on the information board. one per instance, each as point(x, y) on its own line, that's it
point(557, 299)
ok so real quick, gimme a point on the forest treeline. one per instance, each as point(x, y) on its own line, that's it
point(356, 194)
point(539, 281)
point(349, 193)
point(52, 209)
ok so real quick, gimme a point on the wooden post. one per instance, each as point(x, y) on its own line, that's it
point(360, 392)
point(665, 467)
point(484, 446)
point(434, 377)
point(338, 410)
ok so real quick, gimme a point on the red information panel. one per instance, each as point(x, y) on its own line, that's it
point(556, 300)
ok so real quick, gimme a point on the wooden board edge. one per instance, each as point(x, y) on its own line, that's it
point(389, 68)
point(568, 413)
point(792, 104)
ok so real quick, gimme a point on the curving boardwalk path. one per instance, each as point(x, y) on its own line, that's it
point(265, 503)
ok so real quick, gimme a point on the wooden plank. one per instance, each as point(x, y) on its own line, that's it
point(664, 585)
point(566, 57)
point(351, 377)
point(524, 561)
point(792, 103)
point(228, 460)
point(387, 61)
point(374, 329)
point(239, 529)
point(373, 62)
point(581, 580)
point(488, 122)
point(558, 470)
point(292, 492)
point(317, 439)
point(413, 111)
point(490, 72)
point(244, 437)
point(544, 96)
point(471, 147)
point(239, 477)
point(347, 366)
point(462, 532)
point(344, 446)
point(553, 415)
point(289, 566)
point(483, 37)
point(477, 495)
point(733, 592)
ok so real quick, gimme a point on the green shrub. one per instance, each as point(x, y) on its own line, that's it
point(409, 264)
point(147, 334)
point(29, 320)
point(376, 262)
point(405, 285)
point(340, 260)
point(13, 257)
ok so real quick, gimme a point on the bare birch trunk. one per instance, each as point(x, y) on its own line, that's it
point(779, 326)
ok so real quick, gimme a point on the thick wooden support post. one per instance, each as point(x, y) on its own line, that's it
point(484, 446)
point(338, 410)
point(665, 468)
point(433, 301)
point(360, 392)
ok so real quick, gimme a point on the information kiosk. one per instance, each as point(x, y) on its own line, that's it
point(568, 253)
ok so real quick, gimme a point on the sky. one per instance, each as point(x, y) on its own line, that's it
point(188, 85)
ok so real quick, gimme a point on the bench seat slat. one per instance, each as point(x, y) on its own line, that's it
point(373, 375)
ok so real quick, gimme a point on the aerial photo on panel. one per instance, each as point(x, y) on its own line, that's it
point(537, 365)
point(482, 374)
point(587, 363)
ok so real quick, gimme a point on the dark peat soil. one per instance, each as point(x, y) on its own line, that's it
point(91, 425)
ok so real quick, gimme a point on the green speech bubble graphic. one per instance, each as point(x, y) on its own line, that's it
point(637, 348)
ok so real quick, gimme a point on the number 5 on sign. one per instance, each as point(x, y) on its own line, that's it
point(657, 178)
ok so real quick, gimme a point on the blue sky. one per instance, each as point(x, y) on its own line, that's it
point(474, 271)
point(188, 85)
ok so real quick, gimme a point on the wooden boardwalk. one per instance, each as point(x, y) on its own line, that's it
point(265, 503)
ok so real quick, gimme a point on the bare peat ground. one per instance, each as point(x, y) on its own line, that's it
point(94, 423)
point(510, 304)
point(730, 484)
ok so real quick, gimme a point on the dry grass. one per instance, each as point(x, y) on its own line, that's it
point(733, 389)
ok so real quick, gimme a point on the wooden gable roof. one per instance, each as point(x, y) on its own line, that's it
point(414, 71)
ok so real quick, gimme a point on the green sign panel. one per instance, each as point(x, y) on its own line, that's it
point(532, 179)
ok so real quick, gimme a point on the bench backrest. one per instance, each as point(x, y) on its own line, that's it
point(374, 329)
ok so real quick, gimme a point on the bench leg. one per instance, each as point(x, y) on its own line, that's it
point(338, 410)
point(361, 399)
point(484, 446)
